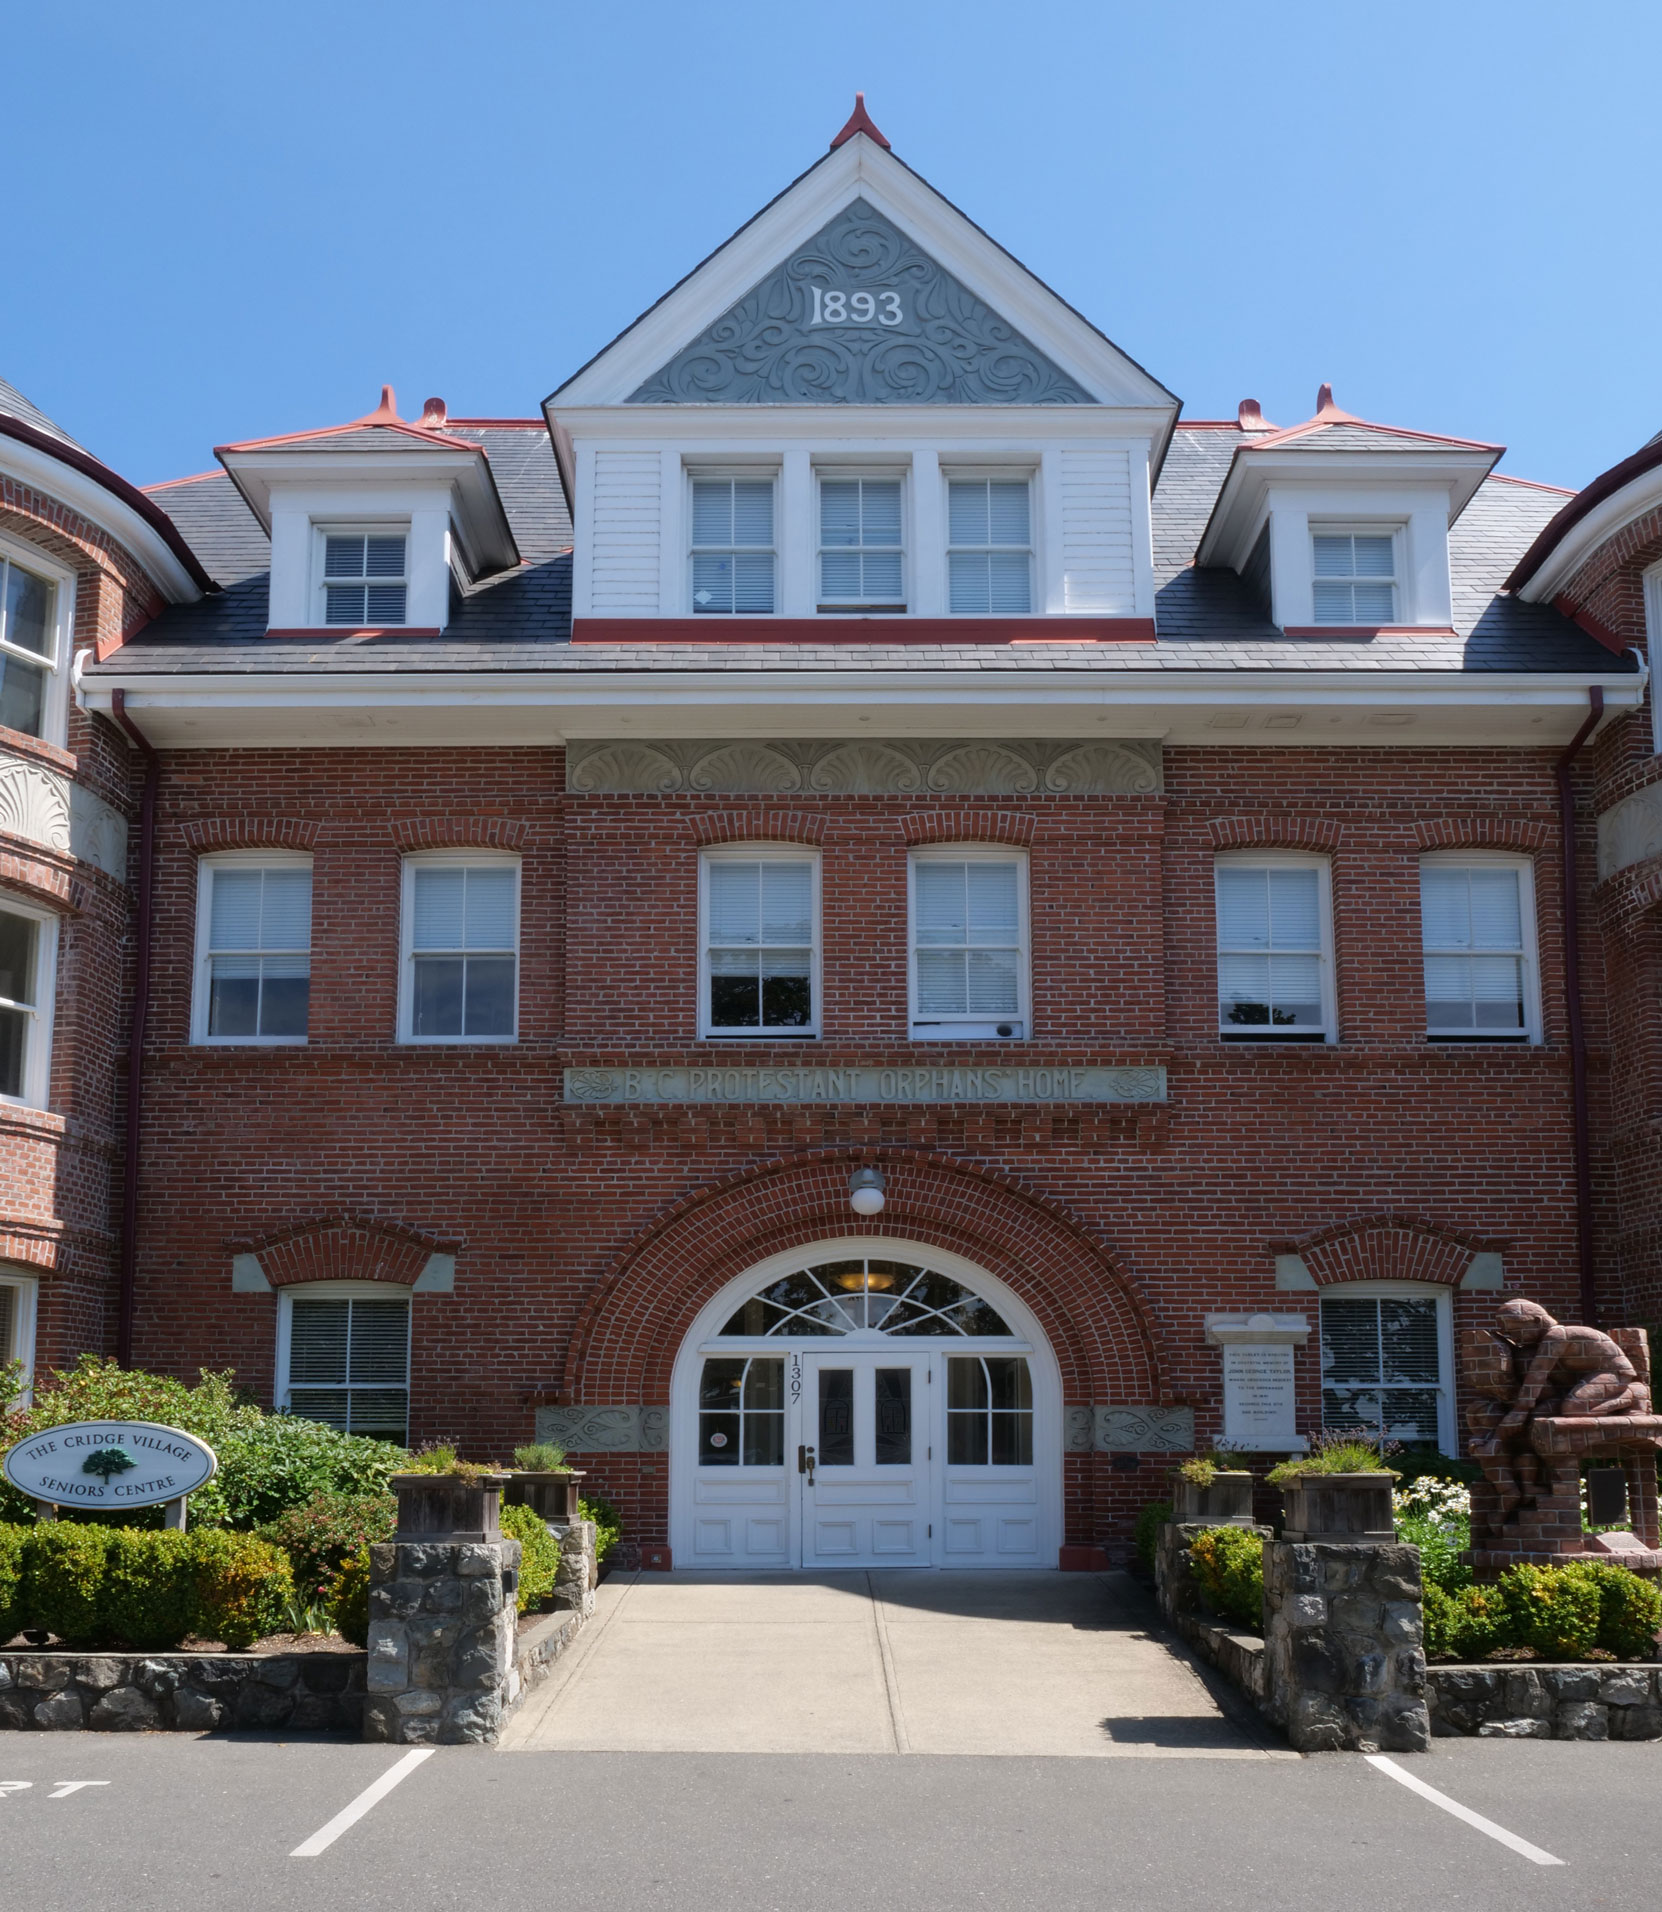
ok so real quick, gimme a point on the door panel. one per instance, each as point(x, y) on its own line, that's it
point(867, 1500)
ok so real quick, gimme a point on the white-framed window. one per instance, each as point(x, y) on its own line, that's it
point(1275, 948)
point(460, 970)
point(1387, 1362)
point(363, 574)
point(758, 940)
point(862, 547)
point(28, 972)
point(969, 944)
point(19, 1291)
point(1477, 934)
point(1354, 575)
point(343, 1356)
point(253, 948)
point(732, 556)
point(989, 559)
point(36, 606)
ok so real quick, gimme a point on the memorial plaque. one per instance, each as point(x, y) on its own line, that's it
point(1259, 1400)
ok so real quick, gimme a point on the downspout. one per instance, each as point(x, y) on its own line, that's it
point(1572, 996)
point(128, 1281)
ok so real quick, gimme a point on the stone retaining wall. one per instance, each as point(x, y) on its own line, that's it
point(1540, 1701)
point(52, 1691)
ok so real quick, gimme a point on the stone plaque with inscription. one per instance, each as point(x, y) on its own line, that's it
point(1259, 1400)
point(919, 1083)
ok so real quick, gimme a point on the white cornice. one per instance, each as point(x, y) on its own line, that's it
point(964, 426)
point(1614, 514)
point(86, 496)
point(860, 169)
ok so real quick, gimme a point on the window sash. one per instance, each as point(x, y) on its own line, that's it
point(968, 942)
point(348, 1363)
point(254, 943)
point(1475, 939)
point(1274, 965)
point(365, 580)
point(461, 951)
point(861, 543)
point(1353, 577)
point(1383, 1367)
point(731, 550)
point(989, 546)
point(23, 971)
point(759, 946)
point(29, 612)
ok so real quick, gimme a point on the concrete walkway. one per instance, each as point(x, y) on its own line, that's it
point(1002, 1663)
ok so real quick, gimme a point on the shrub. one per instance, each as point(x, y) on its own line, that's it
point(12, 1543)
point(1469, 1623)
point(1332, 1454)
point(1145, 1536)
point(319, 1537)
point(608, 1524)
point(445, 1460)
point(148, 1595)
point(539, 1558)
point(63, 1580)
point(541, 1457)
point(1441, 1544)
point(1553, 1611)
point(1229, 1564)
point(243, 1587)
point(1630, 1609)
point(349, 1598)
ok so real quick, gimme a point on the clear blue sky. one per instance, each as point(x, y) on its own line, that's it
point(231, 219)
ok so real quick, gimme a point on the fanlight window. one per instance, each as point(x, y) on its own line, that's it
point(846, 1297)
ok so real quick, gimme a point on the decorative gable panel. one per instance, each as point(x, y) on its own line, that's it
point(860, 316)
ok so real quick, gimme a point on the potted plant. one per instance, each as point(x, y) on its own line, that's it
point(1339, 1492)
point(442, 1498)
point(542, 1481)
point(1209, 1489)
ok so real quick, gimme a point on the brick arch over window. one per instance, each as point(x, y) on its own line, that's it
point(1388, 1248)
point(1105, 1343)
point(208, 834)
point(342, 1248)
point(756, 826)
point(968, 825)
point(1275, 831)
point(1527, 836)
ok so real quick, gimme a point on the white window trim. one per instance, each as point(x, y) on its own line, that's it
point(205, 867)
point(1525, 866)
point(325, 528)
point(37, 1061)
point(1653, 651)
point(969, 1028)
point(455, 860)
point(1286, 860)
point(55, 710)
point(1393, 529)
point(26, 1286)
point(332, 1291)
point(996, 474)
point(756, 853)
point(825, 470)
point(1447, 1421)
point(693, 473)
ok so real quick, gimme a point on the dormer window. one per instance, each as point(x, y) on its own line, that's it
point(1355, 577)
point(365, 576)
point(732, 546)
point(860, 545)
point(990, 546)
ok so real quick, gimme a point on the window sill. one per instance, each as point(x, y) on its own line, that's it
point(456, 1042)
point(248, 1042)
point(759, 1035)
point(1268, 1040)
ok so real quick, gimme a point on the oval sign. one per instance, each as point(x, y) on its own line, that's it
point(110, 1464)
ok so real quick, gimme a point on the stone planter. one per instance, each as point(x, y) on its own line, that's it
point(1334, 1509)
point(1225, 1500)
point(448, 1507)
point(552, 1496)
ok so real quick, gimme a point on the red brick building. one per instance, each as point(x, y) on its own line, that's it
point(862, 924)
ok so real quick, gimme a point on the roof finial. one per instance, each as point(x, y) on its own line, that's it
point(1324, 399)
point(434, 413)
point(1250, 416)
point(860, 121)
point(386, 413)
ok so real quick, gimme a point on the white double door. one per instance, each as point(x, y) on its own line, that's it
point(866, 1460)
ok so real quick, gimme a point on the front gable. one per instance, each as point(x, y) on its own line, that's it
point(860, 315)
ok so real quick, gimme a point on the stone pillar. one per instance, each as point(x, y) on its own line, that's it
point(442, 1634)
point(575, 1582)
point(1344, 1641)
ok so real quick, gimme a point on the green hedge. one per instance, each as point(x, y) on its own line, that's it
point(608, 1524)
point(1229, 1564)
point(1145, 1535)
point(1558, 1613)
point(329, 1530)
point(127, 1586)
point(539, 1558)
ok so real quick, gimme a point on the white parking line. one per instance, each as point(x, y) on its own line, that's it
point(348, 1816)
point(1533, 1854)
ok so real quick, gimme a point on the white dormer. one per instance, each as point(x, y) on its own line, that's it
point(372, 522)
point(1342, 525)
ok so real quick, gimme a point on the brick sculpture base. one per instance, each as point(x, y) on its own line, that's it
point(442, 1626)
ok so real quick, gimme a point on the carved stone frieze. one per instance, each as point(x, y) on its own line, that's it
point(97, 832)
point(806, 336)
point(34, 803)
point(866, 766)
point(604, 1430)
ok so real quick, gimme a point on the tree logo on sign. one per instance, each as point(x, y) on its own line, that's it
point(108, 1461)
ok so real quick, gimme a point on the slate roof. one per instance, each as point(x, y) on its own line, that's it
point(15, 405)
point(521, 620)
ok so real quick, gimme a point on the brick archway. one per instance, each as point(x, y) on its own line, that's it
point(1105, 1344)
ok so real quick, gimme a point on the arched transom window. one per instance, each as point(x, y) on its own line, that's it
point(862, 1295)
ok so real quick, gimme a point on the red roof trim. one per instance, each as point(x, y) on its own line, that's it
point(1535, 484)
point(1322, 420)
point(353, 425)
point(1606, 485)
point(1585, 621)
point(312, 632)
point(501, 424)
point(860, 121)
point(191, 478)
point(1352, 633)
point(118, 487)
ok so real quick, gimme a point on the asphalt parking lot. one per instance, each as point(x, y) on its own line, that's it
point(176, 1822)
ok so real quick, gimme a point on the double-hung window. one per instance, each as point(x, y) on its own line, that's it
point(732, 546)
point(343, 1357)
point(31, 649)
point(253, 948)
point(28, 964)
point(18, 1290)
point(1385, 1364)
point(1275, 949)
point(759, 943)
point(365, 576)
point(969, 944)
point(1477, 930)
point(1355, 577)
point(989, 545)
point(861, 547)
point(461, 949)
